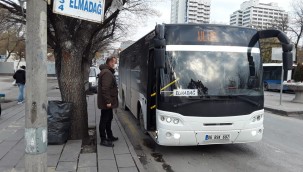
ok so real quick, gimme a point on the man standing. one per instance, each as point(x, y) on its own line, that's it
point(19, 76)
point(107, 100)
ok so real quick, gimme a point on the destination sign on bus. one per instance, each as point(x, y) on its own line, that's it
point(209, 35)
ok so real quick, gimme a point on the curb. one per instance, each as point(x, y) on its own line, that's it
point(130, 146)
point(284, 113)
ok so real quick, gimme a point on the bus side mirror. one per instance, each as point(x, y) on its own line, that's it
point(287, 61)
point(159, 54)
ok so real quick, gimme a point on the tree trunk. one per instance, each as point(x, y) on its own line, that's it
point(71, 83)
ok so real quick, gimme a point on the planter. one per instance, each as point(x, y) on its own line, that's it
point(297, 87)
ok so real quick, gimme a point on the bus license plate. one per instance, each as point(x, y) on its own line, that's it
point(213, 137)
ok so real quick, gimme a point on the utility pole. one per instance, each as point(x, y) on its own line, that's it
point(36, 87)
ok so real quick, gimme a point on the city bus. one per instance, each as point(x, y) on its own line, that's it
point(197, 84)
point(272, 76)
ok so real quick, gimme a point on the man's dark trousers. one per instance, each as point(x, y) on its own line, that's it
point(106, 123)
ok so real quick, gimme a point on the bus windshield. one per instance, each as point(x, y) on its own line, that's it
point(212, 73)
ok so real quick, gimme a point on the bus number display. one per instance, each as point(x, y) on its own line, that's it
point(207, 36)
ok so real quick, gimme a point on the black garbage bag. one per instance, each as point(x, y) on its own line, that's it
point(58, 121)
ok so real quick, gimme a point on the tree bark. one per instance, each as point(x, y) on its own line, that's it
point(71, 82)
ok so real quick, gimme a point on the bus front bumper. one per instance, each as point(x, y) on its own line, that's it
point(191, 138)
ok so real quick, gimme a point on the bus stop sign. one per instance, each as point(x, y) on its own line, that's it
point(91, 10)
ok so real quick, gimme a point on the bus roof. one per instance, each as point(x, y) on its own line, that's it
point(217, 25)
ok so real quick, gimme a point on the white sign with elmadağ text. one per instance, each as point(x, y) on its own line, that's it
point(185, 92)
point(91, 10)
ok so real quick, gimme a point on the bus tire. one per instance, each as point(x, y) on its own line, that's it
point(141, 120)
point(124, 103)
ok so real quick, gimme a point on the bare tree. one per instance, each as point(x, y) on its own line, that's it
point(11, 35)
point(296, 26)
point(75, 43)
point(280, 23)
point(12, 41)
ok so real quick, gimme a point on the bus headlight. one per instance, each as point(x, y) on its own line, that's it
point(257, 118)
point(177, 136)
point(176, 121)
point(168, 119)
point(162, 118)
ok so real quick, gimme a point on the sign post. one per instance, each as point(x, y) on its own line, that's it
point(277, 55)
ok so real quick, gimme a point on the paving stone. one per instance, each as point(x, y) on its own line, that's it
point(87, 169)
point(105, 152)
point(12, 158)
point(21, 163)
point(5, 122)
point(71, 151)
point(5, 169)
point(7, 132)
point(88, 160)
point(125, 160)
point(67, 166)
point(18, 135)
point(107, 166)
point(15, 111)
point(54, 149)
point(6, 146)
point(18, 170)
point(52, 160)
point(128, 169)
point(120, 147)
point(51, 169)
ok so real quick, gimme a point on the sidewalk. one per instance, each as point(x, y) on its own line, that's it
point(288, 108)
point(67, 157)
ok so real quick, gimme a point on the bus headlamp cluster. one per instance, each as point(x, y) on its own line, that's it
point(257, 118)
point(170, 119)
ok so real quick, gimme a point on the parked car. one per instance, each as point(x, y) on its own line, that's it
point(117, 77)
point(93, 79)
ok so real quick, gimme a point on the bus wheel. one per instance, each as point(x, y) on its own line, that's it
point(141, 121)
point(124, 103)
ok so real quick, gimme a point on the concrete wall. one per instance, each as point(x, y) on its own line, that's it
point(6, 68)
point(9, 68)
point(51, 69)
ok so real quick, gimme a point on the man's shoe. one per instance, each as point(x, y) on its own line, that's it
point(113, 139)
point(107, 143)
point(19, 103)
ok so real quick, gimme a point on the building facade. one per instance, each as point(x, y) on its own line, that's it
point(190, 11)
point(258, 15)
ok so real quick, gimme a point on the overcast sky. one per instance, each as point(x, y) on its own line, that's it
point(220, 12)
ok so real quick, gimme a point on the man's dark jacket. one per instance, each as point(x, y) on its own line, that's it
point(19, 76)
point(107, 88)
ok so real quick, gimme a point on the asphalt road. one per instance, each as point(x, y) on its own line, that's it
point(281, 150)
